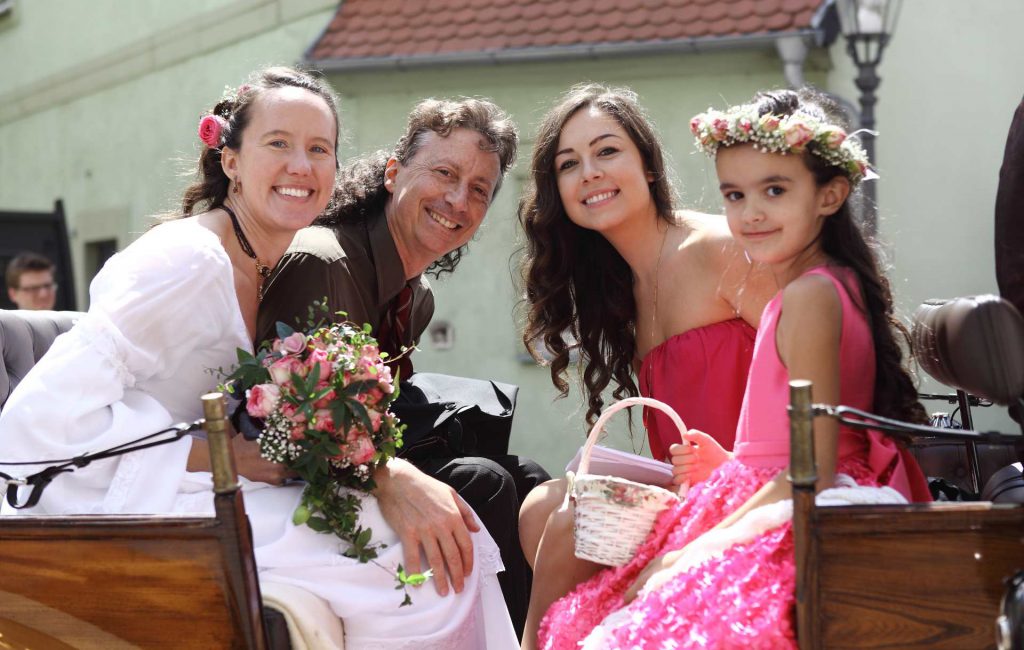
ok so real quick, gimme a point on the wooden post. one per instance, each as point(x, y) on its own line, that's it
point(803, 475)
point(236, 536)
point(222, 461)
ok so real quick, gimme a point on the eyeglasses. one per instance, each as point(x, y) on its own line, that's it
point(39, 288)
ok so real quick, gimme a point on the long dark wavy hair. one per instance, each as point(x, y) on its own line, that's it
point(846, 244)
point(212, 184)
point(360, 192)
point(575, 282)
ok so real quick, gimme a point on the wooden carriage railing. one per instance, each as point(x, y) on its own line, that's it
point(135, 581)
point(924, 575)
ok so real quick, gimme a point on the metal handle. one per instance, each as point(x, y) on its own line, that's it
point(618, 406)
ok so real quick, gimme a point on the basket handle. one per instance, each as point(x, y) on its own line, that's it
point(618, 406)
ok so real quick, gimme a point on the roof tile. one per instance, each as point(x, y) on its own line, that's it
point(399, 28)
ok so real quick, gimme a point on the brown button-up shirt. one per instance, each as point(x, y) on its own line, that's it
point(355, 266)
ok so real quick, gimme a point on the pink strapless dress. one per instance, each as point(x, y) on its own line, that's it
point(701, 373)
point(743, 598)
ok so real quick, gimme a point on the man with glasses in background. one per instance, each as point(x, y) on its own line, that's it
point(30, 283)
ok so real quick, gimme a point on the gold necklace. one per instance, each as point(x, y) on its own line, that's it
point(262, 270)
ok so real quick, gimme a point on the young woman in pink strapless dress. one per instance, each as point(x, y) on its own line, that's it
point(831, 323)
point(649, 293)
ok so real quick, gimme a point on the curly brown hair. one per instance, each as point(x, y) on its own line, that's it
point(575, 281)
point(844, 242)
point(211, 187)
point(360, 192)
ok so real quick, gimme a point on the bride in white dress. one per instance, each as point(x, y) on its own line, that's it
point(168, 312)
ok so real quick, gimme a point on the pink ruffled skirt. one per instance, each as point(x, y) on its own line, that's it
point(743, 598)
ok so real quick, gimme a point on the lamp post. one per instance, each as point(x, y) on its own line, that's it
point(868, 25)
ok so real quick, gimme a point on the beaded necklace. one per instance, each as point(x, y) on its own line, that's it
point(262, 270)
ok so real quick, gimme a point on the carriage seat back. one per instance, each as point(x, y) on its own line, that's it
point(25, 336)
point(975, 344)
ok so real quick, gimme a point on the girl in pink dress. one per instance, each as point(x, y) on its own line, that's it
point(785, 170)
point(651, 294)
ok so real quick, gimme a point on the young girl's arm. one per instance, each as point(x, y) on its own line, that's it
point(807, 338)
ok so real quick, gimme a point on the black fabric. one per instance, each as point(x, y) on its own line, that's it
point(276, 627)
point(495, 488)
point(1009, 226)
point(448, 416)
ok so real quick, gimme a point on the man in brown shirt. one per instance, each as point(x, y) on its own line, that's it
point(394, 218)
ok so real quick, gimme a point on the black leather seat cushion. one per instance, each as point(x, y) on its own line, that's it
point(973, 343)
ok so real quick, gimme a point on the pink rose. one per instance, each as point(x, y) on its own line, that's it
point(298, 431)
point(317, 362)
point(835, 138)
point(375, 418)
point(745, 125)
point(768, 123)
point(210, 129)
point(720, 129)
point(374, 396)
point(359, 448)
point(798, 135)
point(281, 370)
point(323, 421)
point(326, 400)
point(263, 398)
point(386, 381)
point(294, 343)
point(695, 125)
point(292, 412)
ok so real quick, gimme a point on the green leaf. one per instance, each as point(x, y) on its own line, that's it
point(284, 330)
point(301, 515)
point(319, 524)
point(244, 356)
point(364, 537)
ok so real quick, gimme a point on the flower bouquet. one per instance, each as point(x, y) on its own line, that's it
point(322, 398)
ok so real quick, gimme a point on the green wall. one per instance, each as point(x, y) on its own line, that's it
point(107, 96)
point(99, 103)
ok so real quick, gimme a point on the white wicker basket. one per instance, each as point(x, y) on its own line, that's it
point(613, 516)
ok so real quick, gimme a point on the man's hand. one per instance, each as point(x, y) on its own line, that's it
point(426, 513)
point(695, 459)
point(250, 464)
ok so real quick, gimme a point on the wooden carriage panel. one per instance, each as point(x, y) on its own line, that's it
point(922, 575)
point(113, 582)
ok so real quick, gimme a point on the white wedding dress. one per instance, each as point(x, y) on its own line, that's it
point(163, 320)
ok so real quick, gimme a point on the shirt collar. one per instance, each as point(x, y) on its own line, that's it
point(389, 267)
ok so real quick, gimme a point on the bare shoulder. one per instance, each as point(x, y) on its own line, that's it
point(708, 233)
point(812, 301)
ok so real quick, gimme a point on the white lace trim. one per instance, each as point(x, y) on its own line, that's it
point(128, 468)
point(488, 555)
point(97, 330)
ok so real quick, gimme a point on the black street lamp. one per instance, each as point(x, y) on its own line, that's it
point(868, 25)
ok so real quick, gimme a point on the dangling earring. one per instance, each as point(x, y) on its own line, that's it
point(238, 187)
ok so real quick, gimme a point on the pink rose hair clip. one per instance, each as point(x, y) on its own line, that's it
point(211, 129)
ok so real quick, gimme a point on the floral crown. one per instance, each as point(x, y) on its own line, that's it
point(794, 133)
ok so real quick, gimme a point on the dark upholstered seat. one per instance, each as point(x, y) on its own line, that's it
point(25, 336)
point(974, 344)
